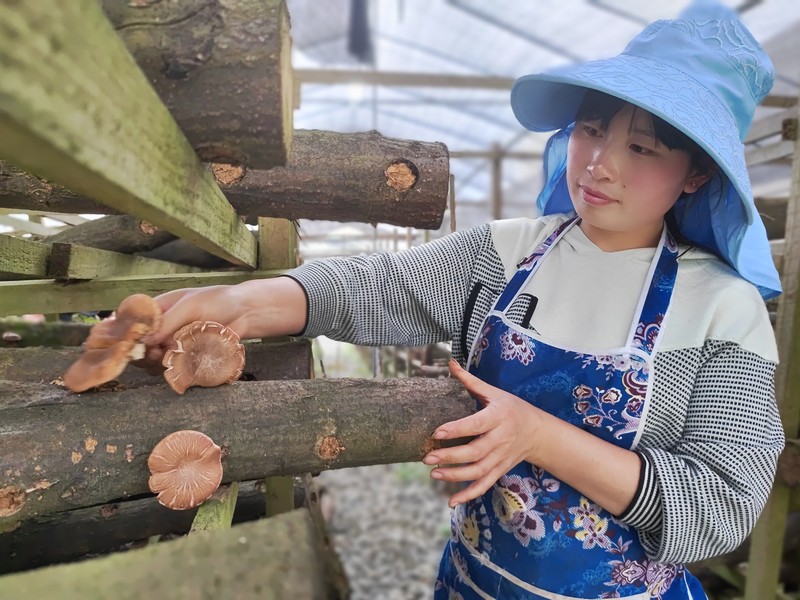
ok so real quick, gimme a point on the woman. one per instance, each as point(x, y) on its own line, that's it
point(619, 345)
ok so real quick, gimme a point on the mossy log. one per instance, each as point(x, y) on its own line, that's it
point(264, 361)
point(72, 535)
point(360, 177)
point(117, 233)
point(223, 68)
point(269, 559)
point(37, 334)
point(60, 451)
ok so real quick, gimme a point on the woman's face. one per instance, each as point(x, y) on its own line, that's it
point(623, 181)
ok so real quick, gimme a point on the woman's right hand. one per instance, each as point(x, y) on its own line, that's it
point(253, 309)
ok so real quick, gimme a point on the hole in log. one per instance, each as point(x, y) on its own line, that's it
point(329, 448)
point(227, 174)
point(147, 228)
point(401, 175)
point(221, 154)
point(11, 500)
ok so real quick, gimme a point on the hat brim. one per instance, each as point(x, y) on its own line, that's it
point(549, 101)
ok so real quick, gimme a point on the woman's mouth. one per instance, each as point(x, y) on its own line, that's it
point(594, 197)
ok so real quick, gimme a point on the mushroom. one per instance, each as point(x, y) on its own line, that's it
point(207, 354)
point(186, 469)
point(11, 338)
point(114, 342)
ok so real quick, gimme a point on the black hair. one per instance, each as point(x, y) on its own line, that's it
point(601, 106)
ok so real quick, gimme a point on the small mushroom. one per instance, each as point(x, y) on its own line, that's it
point(114, 342)
point(11, 338)
point(207, 354)
point(186, 469)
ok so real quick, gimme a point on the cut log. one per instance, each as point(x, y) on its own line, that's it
point(38, 334)
point(263, 362)
point(269, 558)
point(72, 535)
point(363, 177)
point(118, 233)
point(359, 177)
point(60, 451)
point(186, 253)
point(222, 68)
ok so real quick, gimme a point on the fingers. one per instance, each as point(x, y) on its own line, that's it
point(179, 308)
point(477, 388)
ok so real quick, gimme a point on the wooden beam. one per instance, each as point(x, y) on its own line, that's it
point(764, 154)
point(401, 79)
point(270, 558)
point(26, 226)
point(330, 176)
point(769, 125)
point(778, 101)
point(61, 451)
point(71, 261)
point(222, 68)
point(78, 111)
point(22, 258)
point(50, 296)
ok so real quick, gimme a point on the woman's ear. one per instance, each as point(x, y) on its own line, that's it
point(695, 182)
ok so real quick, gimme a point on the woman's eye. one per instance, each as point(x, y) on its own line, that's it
point(637, 149)
point(591, 131)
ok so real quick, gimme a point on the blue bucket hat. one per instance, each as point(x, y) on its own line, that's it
point(703, 73)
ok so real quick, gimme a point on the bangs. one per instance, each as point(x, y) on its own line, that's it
point(599, 106)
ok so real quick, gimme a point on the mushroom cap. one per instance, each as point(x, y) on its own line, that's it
point(113, 342)
point(186, 469)
point(207, 354)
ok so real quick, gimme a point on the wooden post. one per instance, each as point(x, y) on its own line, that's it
point(277, 249)
point(217, 511)
point(767, 539)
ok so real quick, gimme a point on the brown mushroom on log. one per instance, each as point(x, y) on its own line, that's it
point(186, 469)
point(207, 354)
point(114, 342)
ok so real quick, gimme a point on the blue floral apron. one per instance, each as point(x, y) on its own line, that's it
point(532, 536)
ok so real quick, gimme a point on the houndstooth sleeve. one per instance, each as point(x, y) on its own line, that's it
point(709, 463)
point(408, 298)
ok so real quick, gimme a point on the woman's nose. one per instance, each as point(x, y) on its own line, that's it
point(602, 166)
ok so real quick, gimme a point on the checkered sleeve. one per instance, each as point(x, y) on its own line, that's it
point(408, 298)
point(701, 495)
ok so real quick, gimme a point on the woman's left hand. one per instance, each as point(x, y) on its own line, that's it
point(507, 433)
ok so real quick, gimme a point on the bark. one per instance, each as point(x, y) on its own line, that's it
point(222, 68)
point(60, 451)
point(269, 558)
point(359, 177)
point(72, 535)
point(118, 233)
point(39, 334)
point(263, 362)
point(186, 253)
